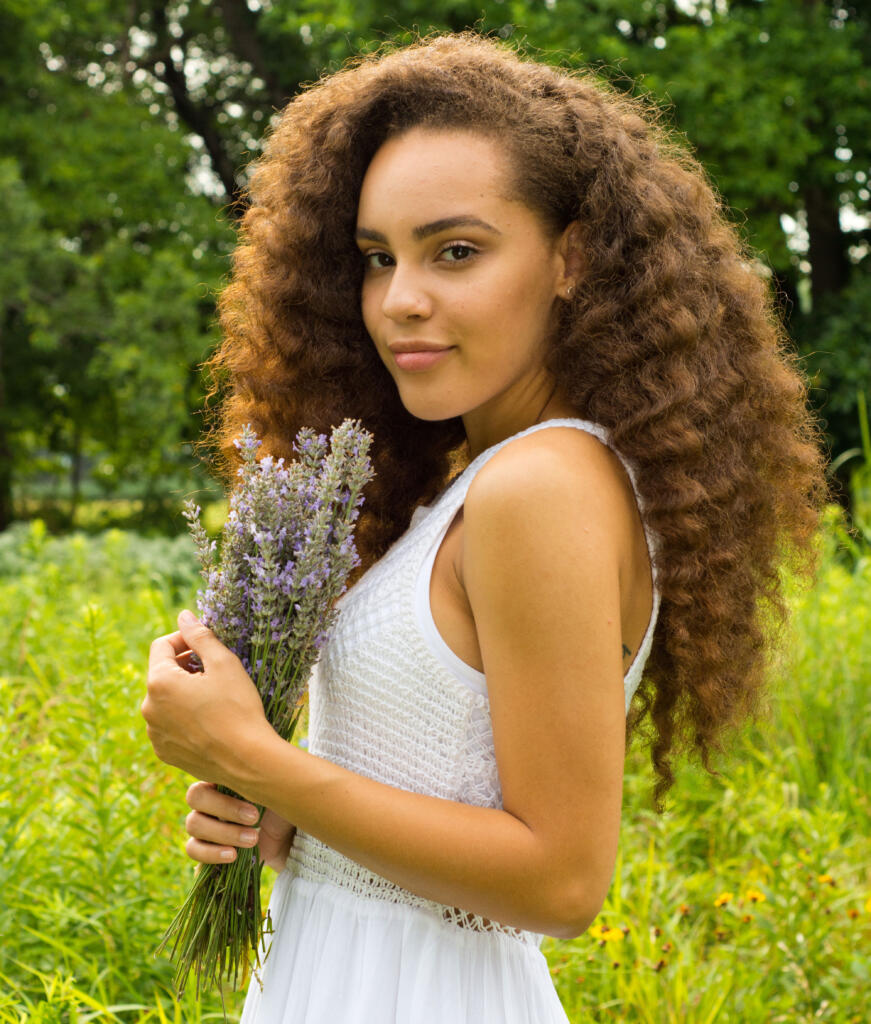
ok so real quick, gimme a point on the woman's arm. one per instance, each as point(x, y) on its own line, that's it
point(542, 536)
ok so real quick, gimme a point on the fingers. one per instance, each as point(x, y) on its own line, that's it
point(213, 841)
point(201, 639)
point(209, 853)
point(217, 824)
point(178, 648)
point(166, 647)
point(204, 797)
point(184, 661)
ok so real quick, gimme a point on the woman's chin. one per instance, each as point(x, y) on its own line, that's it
point(432, 410)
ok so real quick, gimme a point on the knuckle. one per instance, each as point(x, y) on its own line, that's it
point(153, 681)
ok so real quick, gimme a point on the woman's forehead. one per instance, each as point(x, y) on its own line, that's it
point(436, 174)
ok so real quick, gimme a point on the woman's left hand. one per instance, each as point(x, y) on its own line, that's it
point(201, 722)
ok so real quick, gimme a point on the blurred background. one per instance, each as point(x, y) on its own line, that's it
point(126, 129)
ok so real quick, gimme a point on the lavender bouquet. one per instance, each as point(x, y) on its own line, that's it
point(287, 548)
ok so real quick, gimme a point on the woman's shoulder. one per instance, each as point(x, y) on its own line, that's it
point(561, 463)
point(550, 518)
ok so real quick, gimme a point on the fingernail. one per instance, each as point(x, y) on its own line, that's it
point(248, 814)
point(248, 835)
point(228, 854)
point(188, 618)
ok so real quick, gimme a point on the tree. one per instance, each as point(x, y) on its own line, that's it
point(133, 121)
point(105, 300)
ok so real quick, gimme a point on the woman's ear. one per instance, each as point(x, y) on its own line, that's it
point(570, 248)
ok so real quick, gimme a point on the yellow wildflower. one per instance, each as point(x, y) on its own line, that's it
point(723, 899)
point(868, 905)
point(605, 934)
point(825, 880)
point(754, 896)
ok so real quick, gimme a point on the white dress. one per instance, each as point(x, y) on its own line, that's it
point(390, 700)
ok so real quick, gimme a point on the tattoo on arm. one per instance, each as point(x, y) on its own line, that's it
point(626, 651)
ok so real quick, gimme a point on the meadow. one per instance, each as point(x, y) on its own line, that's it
point(748, 900)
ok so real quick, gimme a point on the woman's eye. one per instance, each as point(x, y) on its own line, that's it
point(462, 253)
point(368, 256)
point(468, 249)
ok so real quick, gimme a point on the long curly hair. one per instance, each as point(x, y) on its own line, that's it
point(670, 340)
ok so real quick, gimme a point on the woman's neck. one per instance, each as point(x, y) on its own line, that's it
point(487, 429)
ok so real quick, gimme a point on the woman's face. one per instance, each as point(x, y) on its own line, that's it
point(452, 264)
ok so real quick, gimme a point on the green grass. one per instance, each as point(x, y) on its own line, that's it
point(91, 824)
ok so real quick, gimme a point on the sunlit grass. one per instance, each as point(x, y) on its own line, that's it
point(747, 901)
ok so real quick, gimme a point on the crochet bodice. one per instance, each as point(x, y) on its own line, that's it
point(390, 700)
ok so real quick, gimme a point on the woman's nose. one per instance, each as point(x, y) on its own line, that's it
point(406, 295)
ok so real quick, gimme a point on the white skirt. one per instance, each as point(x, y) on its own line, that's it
point(338, 958)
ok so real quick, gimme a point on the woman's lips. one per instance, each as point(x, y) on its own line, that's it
point(414, 362)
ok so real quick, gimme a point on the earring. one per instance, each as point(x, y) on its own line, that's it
point(569, 291)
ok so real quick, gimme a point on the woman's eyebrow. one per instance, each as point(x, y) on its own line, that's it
point(424, 230)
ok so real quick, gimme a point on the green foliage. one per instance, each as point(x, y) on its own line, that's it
point(106, 289)
point(760, 94)
point(835, 339)
point(91, 824)
point(128, 130)
point(89, 817)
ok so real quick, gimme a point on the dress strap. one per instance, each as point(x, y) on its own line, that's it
point(451, 499)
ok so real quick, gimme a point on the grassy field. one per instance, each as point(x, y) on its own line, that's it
point(748, 900)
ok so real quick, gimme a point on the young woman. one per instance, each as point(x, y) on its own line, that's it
point(507, 267)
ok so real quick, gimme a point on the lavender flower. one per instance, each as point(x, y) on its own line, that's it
point(287, 548)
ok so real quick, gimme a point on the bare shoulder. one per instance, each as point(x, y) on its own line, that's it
point(549, 474)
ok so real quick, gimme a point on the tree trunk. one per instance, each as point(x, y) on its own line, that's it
point(5, 480)
point(241, 23)
point(830, 265)
point(197, 116)
point(5, 454)
point(76, 473)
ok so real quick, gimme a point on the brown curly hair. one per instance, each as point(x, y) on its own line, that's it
point(670, 340)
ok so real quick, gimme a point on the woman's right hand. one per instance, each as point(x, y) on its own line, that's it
point(217, 822)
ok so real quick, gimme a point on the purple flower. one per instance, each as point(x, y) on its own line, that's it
point(286, 550)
